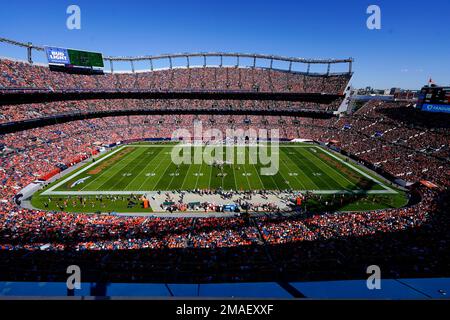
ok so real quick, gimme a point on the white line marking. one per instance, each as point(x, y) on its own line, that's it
point(70, 177)
point(359, 171)
point(75, 193)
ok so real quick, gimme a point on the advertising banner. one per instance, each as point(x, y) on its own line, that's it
point(436, 107)
point(57, 55)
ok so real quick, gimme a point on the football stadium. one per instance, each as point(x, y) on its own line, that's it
point(258, 174)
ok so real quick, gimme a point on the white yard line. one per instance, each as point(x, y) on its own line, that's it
point(154, 170)
point(287, 165)
point(107, 170)
point(334, 170)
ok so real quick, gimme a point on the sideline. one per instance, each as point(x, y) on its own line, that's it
point(70, 177)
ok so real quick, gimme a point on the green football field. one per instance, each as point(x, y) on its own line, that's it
point(134, 169)
point(127, 172)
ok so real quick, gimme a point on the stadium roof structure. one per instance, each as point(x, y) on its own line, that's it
point(238, 56)
point(169, 58)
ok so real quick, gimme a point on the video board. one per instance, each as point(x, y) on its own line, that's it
point(76, 58)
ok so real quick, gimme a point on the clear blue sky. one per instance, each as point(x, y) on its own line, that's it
point(412, 45)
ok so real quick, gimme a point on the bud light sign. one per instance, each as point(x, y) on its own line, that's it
point(57, 55)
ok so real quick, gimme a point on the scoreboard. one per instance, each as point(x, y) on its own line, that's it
point(434, 99)
point(74, 58)
point(85, 59)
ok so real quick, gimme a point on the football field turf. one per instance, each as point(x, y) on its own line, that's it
point(140, 168)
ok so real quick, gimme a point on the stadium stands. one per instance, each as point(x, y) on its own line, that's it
point(396, 137)
point(12, 113)
point(23, 75)
point(392, 136)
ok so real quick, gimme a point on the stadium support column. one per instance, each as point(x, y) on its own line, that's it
point(111, 65)
point(269, 74)
point(151, 64)
point(253, 72)
point(132, 66)
point(204, 72)
point(29, 53)
point(328, 69)
point(172, 75)
point(287, 75)
point(188, 61)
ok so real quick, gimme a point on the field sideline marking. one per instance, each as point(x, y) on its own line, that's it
point(333, 170)
point(128, 192)
point(70, 177)
point(359, 171)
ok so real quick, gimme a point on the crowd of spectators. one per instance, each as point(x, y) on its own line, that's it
point(14, 74)
point(412, 239)
point(33, 229)
point(404, 141)
point(22, 112)
point(401, 140)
